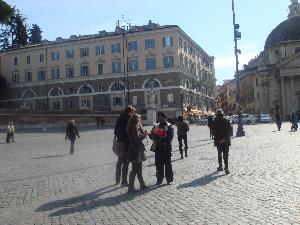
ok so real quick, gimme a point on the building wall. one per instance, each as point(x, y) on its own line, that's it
point(191, 76)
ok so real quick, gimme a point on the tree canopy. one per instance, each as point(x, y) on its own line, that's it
point(6, 11)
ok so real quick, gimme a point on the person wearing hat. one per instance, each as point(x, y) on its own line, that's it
point(123, 143)
point(221, 129)
point(162, 134)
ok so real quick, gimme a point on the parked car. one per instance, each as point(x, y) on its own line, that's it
point(265, 118)
point(246, 119)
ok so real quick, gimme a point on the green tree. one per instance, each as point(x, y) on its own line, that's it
point(6, 11)
point(21, 37)
point(35, 34)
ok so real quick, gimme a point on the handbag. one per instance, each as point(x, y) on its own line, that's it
point(114, 146)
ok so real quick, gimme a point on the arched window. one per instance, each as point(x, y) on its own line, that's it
point(28, 94)
point(151, 83)
point(117, 87)
point(85, 89)
point(56, 92)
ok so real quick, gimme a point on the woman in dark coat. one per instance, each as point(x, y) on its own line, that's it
point(71, 134)
point(136, 151)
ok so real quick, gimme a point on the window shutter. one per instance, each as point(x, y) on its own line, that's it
point(164, 42)
point(171, 41)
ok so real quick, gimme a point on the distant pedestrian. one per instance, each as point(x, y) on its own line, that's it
point(136, 151)
point(182, 130)
point(209, 124)
point(122, 143)
point(221, 129)
point(162, 135)
point(71, 133)
point(294, 123)
point(12, 127)
point(278, 120)
point(8, 133)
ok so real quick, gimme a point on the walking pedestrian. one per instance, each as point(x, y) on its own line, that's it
point(12, 127)
point(136, 151)
point(122, 142)
point(162, 135)
point(278, 120)
point(182, 129)
point(8, 132)
point(71, 133)
point(221, 129)
point(209, 124)
point(294, 126)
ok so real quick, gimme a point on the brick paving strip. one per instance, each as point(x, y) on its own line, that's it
point(40, 183)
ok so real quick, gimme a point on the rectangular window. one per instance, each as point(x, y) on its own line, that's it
point(28, 59)
point(69, 54)
point(69, 72)
point(115, 48)
point(85, 103)
point(149, 43)
point(133, 65)
point(185, 47)
point(168, 61)
point(170, 98)
point(55, 56)
point(56, 105)
point(15, 78)
point(134, 100)
point(41, 75)
point(167, 42)
point(84, 70)
point(180, 43)
point(117, 102)
point(41, 57)
point(102, 103)
point(100, 69)
point(55, 73)
point(150, 63)
point(15, 61)
point(116, 67)
point(84, 52)
point(28, 76)
point(100, 50)
point(132, 46)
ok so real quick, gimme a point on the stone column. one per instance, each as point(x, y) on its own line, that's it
point(293, 102)
point(283, 97)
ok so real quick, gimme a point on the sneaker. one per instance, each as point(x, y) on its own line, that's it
point(219, 169)
point(132, 190)
point(227, 171)
point(170, 183)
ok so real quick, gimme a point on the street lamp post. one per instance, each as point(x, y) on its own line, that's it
point(237, 35)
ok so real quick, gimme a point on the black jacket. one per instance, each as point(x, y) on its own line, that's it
point(71, 131)
point(121, 128)
point(221, 129)
point(164, 144)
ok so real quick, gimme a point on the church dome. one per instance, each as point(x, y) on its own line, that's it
point(288, 30)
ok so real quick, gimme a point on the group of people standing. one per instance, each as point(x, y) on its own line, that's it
point(129, 134)
point(10, 132)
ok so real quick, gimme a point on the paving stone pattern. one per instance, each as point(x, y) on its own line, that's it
point(41, 183)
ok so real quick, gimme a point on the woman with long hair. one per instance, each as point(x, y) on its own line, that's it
point(136, 151)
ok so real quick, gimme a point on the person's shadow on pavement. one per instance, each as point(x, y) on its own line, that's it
point(202, 181)
point(89, 201)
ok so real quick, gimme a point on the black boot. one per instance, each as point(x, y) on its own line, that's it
point(131, 188)
point(186, 155)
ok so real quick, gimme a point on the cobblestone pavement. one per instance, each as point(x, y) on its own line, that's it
point(40, 183)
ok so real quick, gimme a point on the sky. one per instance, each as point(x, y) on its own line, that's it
point(207, 22)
